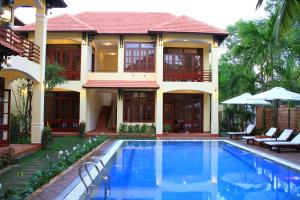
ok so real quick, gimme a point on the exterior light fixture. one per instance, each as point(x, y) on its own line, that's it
point(6, 12)
point(107, 43)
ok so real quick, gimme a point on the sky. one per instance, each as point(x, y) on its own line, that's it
point(219, 13)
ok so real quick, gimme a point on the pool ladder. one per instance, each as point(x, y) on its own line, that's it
point(104, 175)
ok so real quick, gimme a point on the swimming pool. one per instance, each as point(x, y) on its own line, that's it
point(173, 170)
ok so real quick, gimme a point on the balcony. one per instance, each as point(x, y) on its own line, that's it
point(16, 44)
point(185, 76)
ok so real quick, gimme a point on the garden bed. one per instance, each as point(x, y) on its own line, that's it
point(33, 171)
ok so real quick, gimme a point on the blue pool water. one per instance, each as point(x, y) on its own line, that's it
point(173, 170)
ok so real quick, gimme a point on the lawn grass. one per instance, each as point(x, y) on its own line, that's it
point(27, 166)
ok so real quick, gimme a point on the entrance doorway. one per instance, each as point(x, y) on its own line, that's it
point(183, 112)
point(4, 114)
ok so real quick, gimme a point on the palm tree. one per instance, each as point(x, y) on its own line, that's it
point(288, 15)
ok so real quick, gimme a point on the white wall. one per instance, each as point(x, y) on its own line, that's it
point(94, 104)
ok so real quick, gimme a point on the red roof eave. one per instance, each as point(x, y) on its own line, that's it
point(121, 84)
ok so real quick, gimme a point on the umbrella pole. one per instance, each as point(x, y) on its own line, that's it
point(289, 116)
point(275, 112)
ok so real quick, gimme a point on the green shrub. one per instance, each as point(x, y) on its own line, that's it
point(143, 128)
point(7, 157)
point(14, 128)
point(47, 137)
point(82, 129)
point(130, 129)
point(123, 128)
point(152, 129)
point(167, 128)
point(136, 128)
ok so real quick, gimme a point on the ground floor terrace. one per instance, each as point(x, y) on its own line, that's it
point(106, 110)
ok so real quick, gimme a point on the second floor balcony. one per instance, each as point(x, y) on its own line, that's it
point(185, 65)
point(14, 43)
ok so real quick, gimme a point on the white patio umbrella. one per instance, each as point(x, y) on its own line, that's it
point(243, 99)
point(275, 94)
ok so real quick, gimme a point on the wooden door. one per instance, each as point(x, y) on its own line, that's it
point(4, 117)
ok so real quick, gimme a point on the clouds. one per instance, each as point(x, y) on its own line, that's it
point(220, 13)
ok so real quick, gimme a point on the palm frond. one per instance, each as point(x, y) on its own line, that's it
point(259, 3)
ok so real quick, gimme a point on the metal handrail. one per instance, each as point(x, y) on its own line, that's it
point(105, 177)
point(85, 165)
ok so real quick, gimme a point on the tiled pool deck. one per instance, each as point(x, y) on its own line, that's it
point(57, 185)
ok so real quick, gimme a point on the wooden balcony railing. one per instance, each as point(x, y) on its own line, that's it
point(20, 45)
point(182, 76)
point(71, 75)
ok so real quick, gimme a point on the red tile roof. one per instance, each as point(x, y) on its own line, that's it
point(61, 23)
point(185, 24)
point(120, 84)
point(127, 23)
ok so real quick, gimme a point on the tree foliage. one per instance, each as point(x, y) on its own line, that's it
point(53, 76)
point(22, 95)
point(287, 15)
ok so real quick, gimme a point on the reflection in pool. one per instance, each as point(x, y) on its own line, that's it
point(171, 170)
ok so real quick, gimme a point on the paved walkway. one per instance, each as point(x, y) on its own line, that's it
point(22, 149)
point(290, 155)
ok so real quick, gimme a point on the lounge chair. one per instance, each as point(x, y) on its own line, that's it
point(271, 132)
point(248, 131)
point(294, 143)
point(283, 137)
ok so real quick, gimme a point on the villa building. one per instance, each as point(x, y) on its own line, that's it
point(126, 67)
point(23, 58)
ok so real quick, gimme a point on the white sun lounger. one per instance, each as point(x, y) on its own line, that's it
point(248, 131)
point(283, 137)
point(271, 132)
point(294, 143)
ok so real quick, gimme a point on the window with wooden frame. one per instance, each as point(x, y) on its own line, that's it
point(67, 56)
point(139, 107)
point(139, 57)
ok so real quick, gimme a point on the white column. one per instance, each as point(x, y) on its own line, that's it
point(121, 55)
point(215, 93)
point(159, 112)
point(86, 62)
point(119, 109)
point(38, 88)
point(159, 79)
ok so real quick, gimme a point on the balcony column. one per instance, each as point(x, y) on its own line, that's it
point(159, 55)
point(215, 93)
point(40, 39)
point(121, 55)
point(119, 108)
point(86, 62)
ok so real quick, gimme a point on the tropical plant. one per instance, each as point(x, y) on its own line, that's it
point(7, 157)
point(287, 15)
point(47, 137)
point(82, 129)
point(22, 94)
